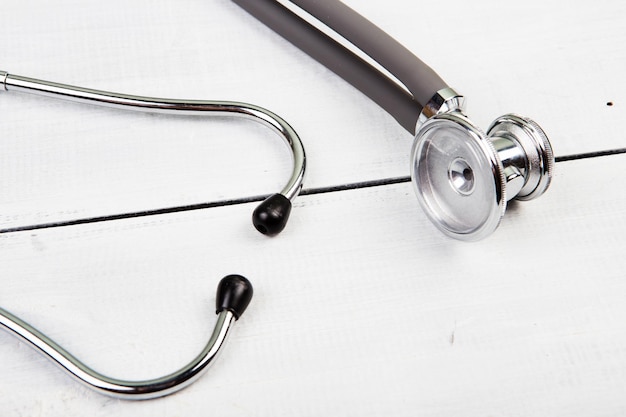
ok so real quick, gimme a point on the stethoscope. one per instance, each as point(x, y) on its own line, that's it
point(463, 177)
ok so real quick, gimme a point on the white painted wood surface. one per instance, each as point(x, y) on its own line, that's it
point(361, 307)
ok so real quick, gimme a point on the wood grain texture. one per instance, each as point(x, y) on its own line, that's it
point(361, 307)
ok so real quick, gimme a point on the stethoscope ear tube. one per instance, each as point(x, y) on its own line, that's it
point(270, 217)
point(233, 296)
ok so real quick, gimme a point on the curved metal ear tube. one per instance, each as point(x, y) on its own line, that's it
point(463, 178)
point(271, 216)
point(233, 296)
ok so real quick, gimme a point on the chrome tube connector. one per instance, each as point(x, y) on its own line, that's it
point(445, 100)
point(3, 79)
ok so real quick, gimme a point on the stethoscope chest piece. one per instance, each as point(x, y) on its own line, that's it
point(463, 177)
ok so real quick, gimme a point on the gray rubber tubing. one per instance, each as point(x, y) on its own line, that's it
point(420, 80)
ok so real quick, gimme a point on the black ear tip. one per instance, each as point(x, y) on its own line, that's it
point(271, 216)
point(234, 293)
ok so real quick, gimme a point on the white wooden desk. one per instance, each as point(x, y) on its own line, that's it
point(361, 307)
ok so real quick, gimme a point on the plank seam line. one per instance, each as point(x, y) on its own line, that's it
point(246, 200)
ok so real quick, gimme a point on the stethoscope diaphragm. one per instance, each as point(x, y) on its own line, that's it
point(463, 177)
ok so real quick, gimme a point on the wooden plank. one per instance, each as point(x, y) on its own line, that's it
point(62, 161)
point(361, 308)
